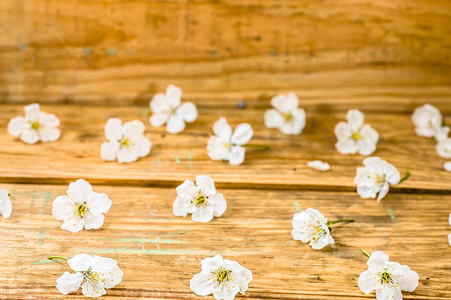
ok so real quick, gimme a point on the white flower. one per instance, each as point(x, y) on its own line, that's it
point(6, 206)
point(94, 275)
point(126, 143)
point(447, 166)
point(227, 146)
point(428, 122)
point(82, 207)
point(167, 108)
point(220, 277)
point(444, 148)
point(286, 116)
point(375, 178)
point(387, 278)
point(319, 165)
point(36, 126)
point(354, 136)
point(311, 226)
point(201, 200)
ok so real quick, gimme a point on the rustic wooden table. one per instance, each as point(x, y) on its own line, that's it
point(87, 61)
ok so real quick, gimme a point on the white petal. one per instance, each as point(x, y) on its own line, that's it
point(187, 189)
point(366, 192)
point(98, 203)
point(273, 119)
point(203, 214)
point(376, 261)
point(217, 148)
point(127, 155)
point(93, 289)
point(319, 165)
point(174, 95)
point(100, 263)
point(206, 184)
point(367, 281)
point(225, 292)
point(202, 284)
point(242, 134)
point(297, 123)
point(159, 104)
point(113, 129)
point(285, 103)
point(17, 125)
point(342, 131)
point(387, 292)
point(63, 207)
point(69, 282)
point(218, 203)
point(133, 129)
point(211, 263)
point(447, 166)
point(80, 262)
point(142, 146)
point(449, 239)
point(391, 174)
point(75, 224)
point(32, 112)
point(93, 220)
point(442, 133)
point(323, 241)
point(175, 125)
point(79, 190)
point(113, 277)
point(383, 192)
point(49, 120)
point(6, 206)
point(444, 148)
point(182, 206)
point(158, 119)
point(187, 111)
point(355, 119)
point(346, 146)
point(369, 138)
point(410, 278)
point(49, 134)
point(30, 136)
point(316, 214)
point(109, 150)
point(222, 129)
point(236, 156)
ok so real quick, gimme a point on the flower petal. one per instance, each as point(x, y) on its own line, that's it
point(218, 203)
point(187, 189)
point(316, 214)
point(366, 192)
point(93, 220)
point(49, 134)
point(159, 104)
point(391, 174)
point(113, 129)
point(158, 119)
point(6, 206)
point(80, 262)
point(98, 202)
point(182, 206)
point(206, 184)
point(409, 279)
point(447, 166)
point(69, 282)
point(202, 214)
point(222, 129)
point(187, 112)
point(109, 150)
point(63, 207)
point(217, 148)
point(236, 156)
point(319, 165)
point(285, 103)
point(342, 131)
point(175, 125)
point(74, 224)
point(30, 136)
point(32, 112)
point(444, 148)
point(242, 134)
point(296, 125)
point(376, 261)
point(355, 119)
point(142, 146)
point(387, 292)
point(79, 190)
point(346, 146)
point(133, 129)
point(273, 119)
point(367, 281)
point(17, 125)
point(127, 155)
point(202, 284)
point(442, 133)
point(49, 120)
point(383, 192)
point(174, 95)
point(100, 263)
point(93, 289)
point(113, 277)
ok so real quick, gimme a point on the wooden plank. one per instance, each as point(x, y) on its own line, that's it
point(159, 253)
point(175, 157)
point(125, 51)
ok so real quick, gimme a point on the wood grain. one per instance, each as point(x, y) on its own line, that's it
point(176, 157)
point(159, 253)
point(125, 51)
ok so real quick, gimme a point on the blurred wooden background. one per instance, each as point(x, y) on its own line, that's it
point(122, 52)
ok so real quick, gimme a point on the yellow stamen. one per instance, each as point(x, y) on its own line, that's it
point(201, 200)
point(223, 275)
point(81, 210)
point(356, 136)
point(35, 125)
point(288, 117)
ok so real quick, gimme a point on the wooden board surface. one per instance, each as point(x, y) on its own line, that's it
point(176, 157)
point(107, 51)
point(159, 253)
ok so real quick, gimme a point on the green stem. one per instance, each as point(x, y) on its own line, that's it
point(264, 147)
point(57, 257)
point(406, 175)
point(366, 253)
point(329, 223)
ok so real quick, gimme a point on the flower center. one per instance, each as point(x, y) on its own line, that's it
point(380, 179)
point(318, 232)
point(385, 276)
point(288, 117)
point(201, 200)
point(125, 142)
point(223, 275)
point(35, 125)
point(356, 136)
point(81, 210)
